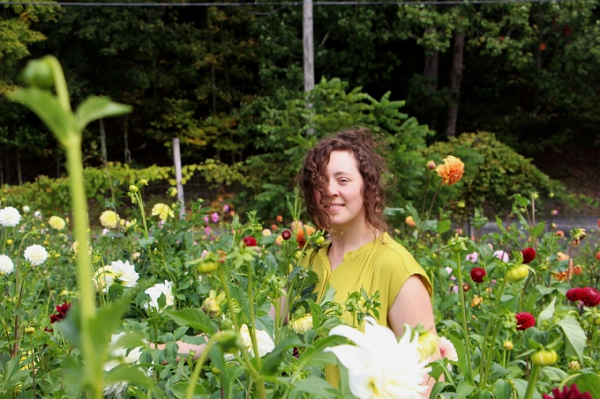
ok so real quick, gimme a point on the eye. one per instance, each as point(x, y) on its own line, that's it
point(344, 180)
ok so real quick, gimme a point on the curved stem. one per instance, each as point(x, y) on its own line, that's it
point(535, 372)
point(464, 315)
point(189, 393)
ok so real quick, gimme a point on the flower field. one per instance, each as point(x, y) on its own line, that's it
point(216, 305)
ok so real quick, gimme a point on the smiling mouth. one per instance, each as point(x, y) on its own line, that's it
point(334, 207)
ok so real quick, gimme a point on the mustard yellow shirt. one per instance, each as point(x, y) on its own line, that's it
point(382, 264)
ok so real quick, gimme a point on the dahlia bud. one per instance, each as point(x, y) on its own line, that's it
point(133, 188)
point(29, 330)
point(211, 307)
point(286, 235)
point(39, 73)
point(574, 365)
point(303, 324)
point(410, 221)
point(508, 345)
point(457, 244)
point(10, 242)
point(431, 165)
point(466, 287)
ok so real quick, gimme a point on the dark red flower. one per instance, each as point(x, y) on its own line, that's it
point(589, 296)
point(286, 235)
point(571, 392)
point(528, 255)
point(477, 274)
point(574, 294)
point(62, 313)
point(249, 241)
point(567, 30)
point(525, 320)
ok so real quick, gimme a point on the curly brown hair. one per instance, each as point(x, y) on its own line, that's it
point(313, 177)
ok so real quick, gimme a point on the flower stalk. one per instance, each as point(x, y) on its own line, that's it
point(461, 294)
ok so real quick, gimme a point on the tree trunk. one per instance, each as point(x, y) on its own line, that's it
point(430, 72)
point(458, 50)
point(127, 153)
point(19, 175)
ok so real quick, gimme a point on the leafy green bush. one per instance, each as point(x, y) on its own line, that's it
point(493, 173)
point(52, 195)
point(284, 129)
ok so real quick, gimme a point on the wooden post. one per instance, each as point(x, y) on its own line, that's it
point(178, 177)
point(103, 143)
point(308, 50)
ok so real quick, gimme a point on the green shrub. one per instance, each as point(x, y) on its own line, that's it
point(493, 173)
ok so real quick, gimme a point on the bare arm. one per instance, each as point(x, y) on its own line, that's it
point(412, 306)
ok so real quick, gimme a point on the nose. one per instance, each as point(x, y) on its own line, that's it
point(333, 188)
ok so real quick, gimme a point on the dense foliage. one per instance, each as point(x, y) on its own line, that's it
point(196, 72)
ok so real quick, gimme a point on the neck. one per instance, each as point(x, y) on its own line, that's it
point(346, 240)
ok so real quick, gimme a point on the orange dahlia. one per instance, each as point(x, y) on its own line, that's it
point(451, 170)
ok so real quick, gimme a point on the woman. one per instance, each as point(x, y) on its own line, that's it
point(341, 185)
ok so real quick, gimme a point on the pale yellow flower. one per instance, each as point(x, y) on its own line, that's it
point(56, 222)
point(109, 219)
point(162, 211)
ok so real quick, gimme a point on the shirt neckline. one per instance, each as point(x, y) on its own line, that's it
point(383, 238)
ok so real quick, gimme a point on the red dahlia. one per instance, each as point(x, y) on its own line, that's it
point(568, 393)
point(525, 320)
point(477, 274)
point(249, 241)
point(286, 234)
point(62, 313)
point(528, 255)
point(574, 294)
point(589, 296)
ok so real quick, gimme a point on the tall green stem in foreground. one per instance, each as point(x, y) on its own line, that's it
point(84, 275)
point(55, 111)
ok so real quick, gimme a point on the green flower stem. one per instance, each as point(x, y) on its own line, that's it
point(490, 353)
point(260, 383)
point(189, 393)
point(138, 198)
point(87, 311)
point(535, 372)
point(461, 294)
point(245, 354)
point(19, 292)
point(252, 318)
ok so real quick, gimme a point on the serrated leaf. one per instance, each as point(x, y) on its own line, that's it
point(547, 313)
point(191, 318)
point(574, 337)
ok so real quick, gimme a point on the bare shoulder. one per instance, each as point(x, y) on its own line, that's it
point(412, 306)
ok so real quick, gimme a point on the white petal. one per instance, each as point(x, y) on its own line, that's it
point(352, 357)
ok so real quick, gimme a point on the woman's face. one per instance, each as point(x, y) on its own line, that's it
point(345, 184)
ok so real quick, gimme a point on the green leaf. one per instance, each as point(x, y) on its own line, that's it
point(502, 390)
point(48, 109)
point(317, 386)
point(133, 374)
point(96, 108)
point(588, 383)
point(443, 226)
point(438, 388)
point(273, 359)
point(463, 390)
point(461, 352)
point(547, 313)
point(191, 318)
point(538, 229)
point(574, 337)
point(521, 387)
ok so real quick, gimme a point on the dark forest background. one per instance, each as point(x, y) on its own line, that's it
point(225, 79)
